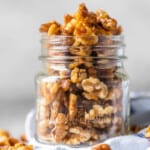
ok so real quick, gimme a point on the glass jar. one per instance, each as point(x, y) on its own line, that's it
point(82, 92)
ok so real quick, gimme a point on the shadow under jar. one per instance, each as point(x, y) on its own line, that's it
point(82, 92)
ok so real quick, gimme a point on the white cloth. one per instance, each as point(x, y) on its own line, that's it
point(131, 142)
point(140, 115)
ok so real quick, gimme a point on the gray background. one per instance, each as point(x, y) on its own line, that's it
point(20, 48)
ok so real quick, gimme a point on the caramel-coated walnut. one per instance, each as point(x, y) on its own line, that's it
point(60, 130)
point(147, 133)
point(94, 88)
point(77, 75)
point(54, 29)
point(80, 50)
point(72, 106)
point(80, 135)
point(101, 147)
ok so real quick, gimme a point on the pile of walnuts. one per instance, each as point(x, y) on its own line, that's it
point(7, 142)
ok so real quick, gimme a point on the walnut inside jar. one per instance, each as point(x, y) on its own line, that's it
point(83, 103)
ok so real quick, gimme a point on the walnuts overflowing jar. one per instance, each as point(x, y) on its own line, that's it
point(82, 92)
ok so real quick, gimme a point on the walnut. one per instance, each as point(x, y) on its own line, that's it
point(4, 133)
point(82, 12)
point(67, 18)
point(10, 143)
point(69, 27)
point(44, 112)
point(54, 29)
point(77, 75)
point(43, 126)
point(44, 91)
point(92, 72)
point(86, 40)
point(80, 135)
point(110, 24)
point(80, 50)
point(13, 141)
point(101, 15)
point(55, 106)
point(65, 84)
point(94, 88)
point(114, 94)
point(101, 147)
point(107, 22)
point(20, 146)
point(147, 133)
point(87, 62)
point(60, 130)
point(45, 27)
point(4, 141)
point(72, 106)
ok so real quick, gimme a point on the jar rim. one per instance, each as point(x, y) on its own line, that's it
point(70, 58)
point(46, 36)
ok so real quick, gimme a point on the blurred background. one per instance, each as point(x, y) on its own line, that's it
point(20, 48)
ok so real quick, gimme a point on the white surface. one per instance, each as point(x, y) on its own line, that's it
point(13, 114)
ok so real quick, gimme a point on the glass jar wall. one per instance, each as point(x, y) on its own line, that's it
point(82, 92)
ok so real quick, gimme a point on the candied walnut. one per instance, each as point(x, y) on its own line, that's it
point(69, 27)
point(10, 143)
point(101, 15)
point(80, 135)
point(91, 84)
point(23, 138)
point(110, 24)
point(4, 141)
point(109, 110)
point(13, 141)
point(84, 135)
point(44, 102)
point(82, 29)
point(147, 133)
point(55, 106)
point(77, 75)
point(101, 147)
point(100, 117)
point(92, 72)
point(44, 112)
point(72, 106)
point(67, 18)
point(54, 87)
point(73, 140)
point(20, 146)
point(94, 88)
point(107, 22)
point(45, 27)
point(87, 62)
point(44, 91)
point(54, 29)
point(82, 12)
point(114, 94)
point(65, 84)
point(80, 50)
point(4, 133)
point(64, 73)
point(43, 126)
point(60, 130)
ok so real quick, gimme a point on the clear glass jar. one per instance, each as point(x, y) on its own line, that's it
point(82, 92)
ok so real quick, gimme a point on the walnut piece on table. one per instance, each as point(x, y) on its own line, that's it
point(147, 133)
point(7, 142)
point(101, 147)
